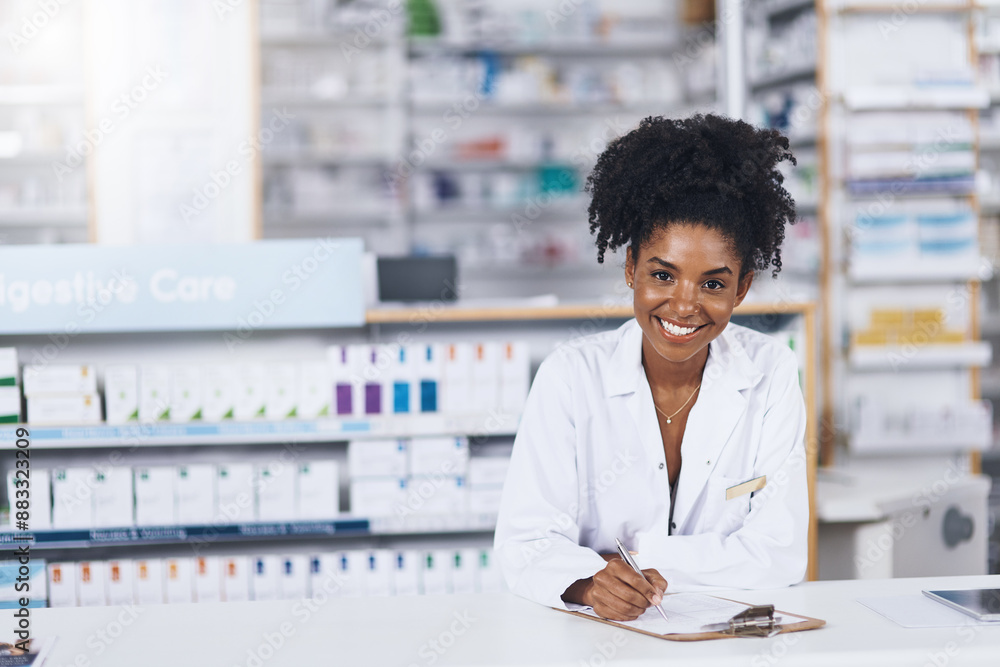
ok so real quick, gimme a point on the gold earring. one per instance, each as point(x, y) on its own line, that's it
point(629, 284)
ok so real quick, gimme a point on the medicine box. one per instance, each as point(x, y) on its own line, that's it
point(490, 577)
point(194, 488)
point(346, 381)
point(154, 496)
point(379, 497)
point(8, 366)
point(406, 572)
point(439, 456)
point(113, 497)
point(488, 470)
point(377, 458)
point(62, 585)
point(515, 376)
point(64, 410)
point(318, 490)
point(235, 578)
point(464, 571)
point(485, 499)
point(485, 395)
point(264, 577)
point(435, 573)
point(185, 393)
point(179, 580)
point(325, 575)
point(293, 577)
point(121, 393)
point(38, 493)
point(378, 564)
point(235, 501)
point(438, 495)
point(427, 369)
point(92, 586)
point(251, 388)
point(71, 498)
point(148, 579)
point(219, 393)
point(456, 380)
point(49, 379)
point(10, 405)
point(16, 584)
point(207, 579)
point(276, 491)
point(282, 394)
point(315, 390)
point(154, 393)
point(120, 574)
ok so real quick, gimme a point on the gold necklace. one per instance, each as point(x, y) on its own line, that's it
point(670, 417)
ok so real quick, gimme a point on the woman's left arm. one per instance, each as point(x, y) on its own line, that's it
point(770, 548)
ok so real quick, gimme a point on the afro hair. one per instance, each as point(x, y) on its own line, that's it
point(705, 169)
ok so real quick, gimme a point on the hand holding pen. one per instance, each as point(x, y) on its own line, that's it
point(618, 592)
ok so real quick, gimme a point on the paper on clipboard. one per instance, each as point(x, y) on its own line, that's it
point(689, 613)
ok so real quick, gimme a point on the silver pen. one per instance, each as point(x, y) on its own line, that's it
point(627, 557)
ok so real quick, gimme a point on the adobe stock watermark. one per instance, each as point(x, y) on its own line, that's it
point(433, 649)
point(34, 23)
point(121, 109)
point(364, 36)
point(293, 278)
point(221, 179)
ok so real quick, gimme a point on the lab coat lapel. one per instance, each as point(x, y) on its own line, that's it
point(721, 404)
point(627, 382)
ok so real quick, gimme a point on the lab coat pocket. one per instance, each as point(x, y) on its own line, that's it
point(721, 515)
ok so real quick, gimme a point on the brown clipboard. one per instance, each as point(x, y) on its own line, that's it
point(808, 623)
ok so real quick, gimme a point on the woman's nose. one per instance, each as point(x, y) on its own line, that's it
point(685, 301)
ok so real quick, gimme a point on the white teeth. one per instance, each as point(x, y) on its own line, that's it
point(676, 330)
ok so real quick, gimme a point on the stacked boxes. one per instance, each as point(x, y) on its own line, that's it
point(372, 572)
point(10, 393)
point(198, 494)
point(62, 394)
point(898, 326)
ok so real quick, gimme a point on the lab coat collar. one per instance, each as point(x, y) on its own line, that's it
point(728, 363)
point(720, 406)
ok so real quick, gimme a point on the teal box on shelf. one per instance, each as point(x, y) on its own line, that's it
point(12, 584)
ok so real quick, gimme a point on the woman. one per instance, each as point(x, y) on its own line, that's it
point(679, 433)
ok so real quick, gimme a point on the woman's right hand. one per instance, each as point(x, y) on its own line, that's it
point(618, 592)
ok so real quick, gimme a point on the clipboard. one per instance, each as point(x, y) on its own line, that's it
point(756, 621)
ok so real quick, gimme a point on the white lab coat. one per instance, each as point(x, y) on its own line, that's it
point(588, 466)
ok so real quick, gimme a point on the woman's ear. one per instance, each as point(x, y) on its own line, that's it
point(629, 267)
point(743, 287)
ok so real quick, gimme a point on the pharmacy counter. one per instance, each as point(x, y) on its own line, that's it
point(500, 630)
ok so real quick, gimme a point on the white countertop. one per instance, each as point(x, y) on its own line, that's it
point(500, 630)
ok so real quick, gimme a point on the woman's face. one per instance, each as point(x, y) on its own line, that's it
point(687, 282)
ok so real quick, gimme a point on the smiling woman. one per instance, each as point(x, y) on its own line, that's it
point(698, 203)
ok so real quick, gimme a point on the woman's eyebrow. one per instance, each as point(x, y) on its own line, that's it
point(713, 272)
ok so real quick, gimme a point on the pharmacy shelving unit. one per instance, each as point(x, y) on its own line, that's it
point(541, 327)
point(42, 118)
point(328, 173)
point(886, 191)
point(782, 93)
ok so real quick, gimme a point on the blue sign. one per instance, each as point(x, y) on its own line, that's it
point(302, 283)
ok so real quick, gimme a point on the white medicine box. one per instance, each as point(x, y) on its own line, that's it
point(148, 578)
point(377, 458)
point(10, 405)
point(71, 498)
point(282, 394)
point(219, 394)
point(50, 379)
point(276, 491)
point(112, 497)
point(154, 393)
point(251, 391)
point(379, 497)
point(8, 367)
point(62, 585)
point(315, 390)
point(185, 393)
point(154, 496)
point(194, 488)
point(235, 501)
point(120, 574)
point(439, 456)
point(318, 490)
point(121, 393)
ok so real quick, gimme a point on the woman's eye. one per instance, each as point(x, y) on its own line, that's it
point(662, 275)
point(714, 284)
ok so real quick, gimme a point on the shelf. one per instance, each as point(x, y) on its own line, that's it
point(490, 164)
point(31, 160)
point(789, 75)
point(462, 214)
point(330, 40)
point(921, 444)
point(271, 99)
point(562, 312)
point(346, 527)
point(322, 157)
point(41, 95)
point(930, 356)
point(262, 432)
point(959, 186)
point(543, 109)
point(30, 217)
point(590, 48)
point(335, 217)
point(892, 98)
point(855, 7)
point(919, 270)
point(779, 7)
